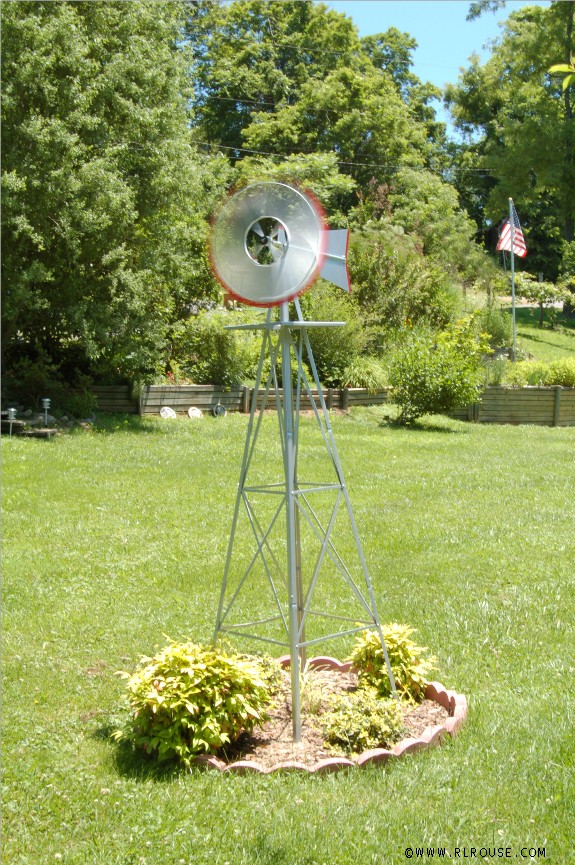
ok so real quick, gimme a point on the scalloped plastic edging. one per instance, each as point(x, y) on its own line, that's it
point(455, 704)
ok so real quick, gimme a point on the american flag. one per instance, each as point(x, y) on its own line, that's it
point(504, 242)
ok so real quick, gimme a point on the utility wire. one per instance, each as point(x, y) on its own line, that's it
point(384, 165)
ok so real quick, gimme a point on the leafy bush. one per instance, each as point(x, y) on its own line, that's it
point(29, 381)
point(365, 372)
point(362, 719)
point(206, 353)
point(189, 700)
point(438, 373)
point(498, 324)
point(561, 372)
point(526, 372)
point(269, 669)
point(334, 348)
point(408, 664)
point(81, 404)
point(530, 372)
point(395, 285)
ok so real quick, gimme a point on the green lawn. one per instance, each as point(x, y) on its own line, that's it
point(115, 538)
point(544, 343)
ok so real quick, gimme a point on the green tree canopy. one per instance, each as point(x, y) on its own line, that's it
point(294, 77)
point(518, 126)
point(254, 56)
point(124, 124)
point(104, 198)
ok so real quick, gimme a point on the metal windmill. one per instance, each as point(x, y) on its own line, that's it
point(269, 243)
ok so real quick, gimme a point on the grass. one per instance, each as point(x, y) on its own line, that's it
point(544, 343)
point(116, 537)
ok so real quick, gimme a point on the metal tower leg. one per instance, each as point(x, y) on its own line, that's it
point(294, 591)
point(357, 539)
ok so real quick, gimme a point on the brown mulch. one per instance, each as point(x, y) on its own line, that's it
point(272, 743)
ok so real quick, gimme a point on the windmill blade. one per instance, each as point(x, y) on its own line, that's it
point(257, 229)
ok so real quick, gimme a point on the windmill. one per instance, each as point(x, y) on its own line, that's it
point(269, 243)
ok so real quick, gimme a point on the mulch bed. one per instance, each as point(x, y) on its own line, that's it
point(273, 743)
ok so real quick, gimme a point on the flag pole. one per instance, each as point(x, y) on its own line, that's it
point(511, 226)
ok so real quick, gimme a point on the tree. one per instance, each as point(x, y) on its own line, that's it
point(546, 294)
point(567, 70)
point(392, 52)
point(294, 77)
point(359, 115)
point(519, 126)
point(317, 172)
point(254, 56)
point(104, 197)
point(426, 206)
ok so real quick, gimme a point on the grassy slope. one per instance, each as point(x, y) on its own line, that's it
point(544, 343)
point(114, 539)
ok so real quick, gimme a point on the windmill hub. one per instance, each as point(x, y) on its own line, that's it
point(266, 240)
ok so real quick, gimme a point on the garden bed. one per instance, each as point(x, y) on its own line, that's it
point(271, 748)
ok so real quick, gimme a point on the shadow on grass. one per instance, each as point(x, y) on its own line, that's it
point(424, 425)
point(529, 317)
point(539, 337)
point(131, 763)
point(113, 423)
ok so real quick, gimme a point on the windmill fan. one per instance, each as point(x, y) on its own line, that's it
point(269, 243)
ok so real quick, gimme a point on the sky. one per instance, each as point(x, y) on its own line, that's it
point(445, 39)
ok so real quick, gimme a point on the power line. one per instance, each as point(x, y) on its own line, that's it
point(383, 165)
point(208, 98)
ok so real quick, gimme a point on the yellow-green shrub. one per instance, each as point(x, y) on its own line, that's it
point(530, 372)
point(190, 700)
point(361, 720)
point(561, 372)
point(408, 664)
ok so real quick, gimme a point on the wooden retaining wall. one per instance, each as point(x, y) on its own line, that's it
point(184, 396)
point(205, 397)
point(544, 406)
point(115, 398)
point(547, 406)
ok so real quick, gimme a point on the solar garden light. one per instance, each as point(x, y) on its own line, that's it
point(11, 417)
point(46, 406)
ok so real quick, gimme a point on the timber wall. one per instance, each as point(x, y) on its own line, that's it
point(546, 406)
point(115, 398)
point(182, 397)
